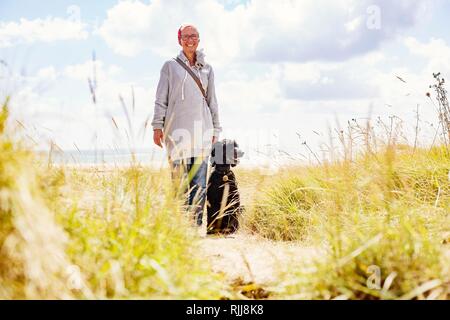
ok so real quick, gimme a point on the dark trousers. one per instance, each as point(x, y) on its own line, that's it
point(190, 173)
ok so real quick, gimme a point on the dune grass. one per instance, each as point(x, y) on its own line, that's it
point(73, 233)
point(378, 215)
point(135, 240)
point(380, 219)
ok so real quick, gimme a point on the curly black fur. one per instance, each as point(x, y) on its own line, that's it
point(223, 201)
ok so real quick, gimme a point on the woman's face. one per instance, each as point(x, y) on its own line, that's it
point(189, 40)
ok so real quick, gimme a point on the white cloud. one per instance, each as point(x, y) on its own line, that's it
point(134, 27)
point(64, 112)
point(273, 31)
point(325, 81)
point(319, 61)
point(129, 28)
point(47, 73)
point(85, 70)
point(15, 81)
point(330, 31)
point(250, 95)
point(40, 30)
point(436, 52)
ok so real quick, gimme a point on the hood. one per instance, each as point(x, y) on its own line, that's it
point(200, 63)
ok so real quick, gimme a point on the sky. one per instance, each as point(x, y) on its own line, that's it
point(286, 72)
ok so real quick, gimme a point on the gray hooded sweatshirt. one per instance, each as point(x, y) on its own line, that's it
point(188, 121)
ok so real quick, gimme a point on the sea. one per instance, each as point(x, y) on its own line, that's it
point(150, 158)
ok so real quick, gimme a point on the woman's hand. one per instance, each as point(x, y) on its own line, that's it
point(158, 137)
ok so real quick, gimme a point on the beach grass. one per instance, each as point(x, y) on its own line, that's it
point(378, 216)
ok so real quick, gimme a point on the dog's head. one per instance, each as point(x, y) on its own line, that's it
point(225, 152)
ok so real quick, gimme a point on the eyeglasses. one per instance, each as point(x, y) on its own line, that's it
point(185, 37)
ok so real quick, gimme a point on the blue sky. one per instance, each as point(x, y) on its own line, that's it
point(282, 67)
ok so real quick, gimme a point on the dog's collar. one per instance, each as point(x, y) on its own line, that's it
point(222, 169)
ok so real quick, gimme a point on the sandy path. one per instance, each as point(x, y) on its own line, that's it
point(250, 258)
point(246, 257)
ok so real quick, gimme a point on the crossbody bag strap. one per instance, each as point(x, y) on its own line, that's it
point(196, 79)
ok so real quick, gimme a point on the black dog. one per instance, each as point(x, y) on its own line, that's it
point(223, 201)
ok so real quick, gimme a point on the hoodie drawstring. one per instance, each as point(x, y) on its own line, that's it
point(182, 86)
point(184, 81)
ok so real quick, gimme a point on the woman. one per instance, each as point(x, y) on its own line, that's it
point(186, 117)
